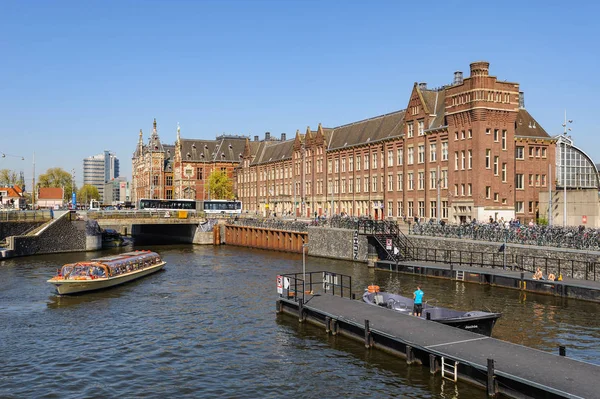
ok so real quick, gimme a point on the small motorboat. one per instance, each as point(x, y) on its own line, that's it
point(475, 321)
point(105, 272)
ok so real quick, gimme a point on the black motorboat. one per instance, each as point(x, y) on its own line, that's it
point(475, 321)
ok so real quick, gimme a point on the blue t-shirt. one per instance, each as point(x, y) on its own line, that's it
point(419, 297)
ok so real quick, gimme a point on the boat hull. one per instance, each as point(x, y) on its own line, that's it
point(475, 321)
point(65, 287)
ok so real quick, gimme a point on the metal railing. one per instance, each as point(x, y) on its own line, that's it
point(24, 216)
point(294, 286)
point(577, 269)
point(272, 224)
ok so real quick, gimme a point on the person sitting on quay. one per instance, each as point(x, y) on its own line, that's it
point(551, 277)
point(538, 274)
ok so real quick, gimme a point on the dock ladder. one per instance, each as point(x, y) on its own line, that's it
point(460, 275)
point(449, 369)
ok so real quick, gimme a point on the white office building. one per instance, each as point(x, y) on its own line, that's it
point(99, 169)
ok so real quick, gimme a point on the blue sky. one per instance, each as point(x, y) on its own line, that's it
point(78, 78)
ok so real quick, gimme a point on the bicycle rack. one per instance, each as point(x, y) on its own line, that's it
point(460, 275)
point(449, 367)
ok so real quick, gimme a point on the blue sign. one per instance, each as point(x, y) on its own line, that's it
point(74, 201)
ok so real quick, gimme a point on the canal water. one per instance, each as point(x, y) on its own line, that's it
point(206, 327)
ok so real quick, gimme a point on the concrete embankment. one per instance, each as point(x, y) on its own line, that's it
point(63, 234)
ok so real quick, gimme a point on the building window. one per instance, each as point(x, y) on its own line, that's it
point(155, 180)
point(496, 136)
point(390, 157)
point(455, 136)
point(421, 180)
point(410, 181)
point(470, 159)
point(530, 208)
point(169, 181)
point(433, 209)
point(543, 180)
point(504, 139)
point(444, 178)
point(432, 152)
point(444, 150)
point(400, 208)
point(503, 172)
point(462, 160)
point(366, 184)
point(350, 185)
point(432, 179)
point(496, 197)
point(520, 153)
point(400, 156)
point(400, 181)
point(337, 166)
point(456, 190)
point(488, 154)
point(455, 160)
point(444, 209)
point(343, 186)
point(350, 164)
point(358, 184)
point(374, 182)
point(537, 180)
point(496, 165)
point(169, 194)
point(421, 209)
point(519, 181)
point(329, 170)
point(410, 209)
point(543, 152)
point(530, 180)
point(488, 192)
point(390, 208)
point(421, 153)
point(462, 190)
point(421, 128)
point(462, 135)
point(470, 134)
point(357, 163)
point(469, 189)
point(409, 129)
point(488, 131)
point(519, 206)
point(366, 162)
point(531, 151)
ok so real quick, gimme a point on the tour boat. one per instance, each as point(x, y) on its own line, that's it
point(105, 272)
point(475, 321)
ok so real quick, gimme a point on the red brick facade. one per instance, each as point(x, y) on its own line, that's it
point(465, 151)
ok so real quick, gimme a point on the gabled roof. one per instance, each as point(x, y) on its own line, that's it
point(436, 103)
point(526, 126)
point(366, 131)
point(271, 151)
point(13, 191)
point(52, 193)
point(224, 149)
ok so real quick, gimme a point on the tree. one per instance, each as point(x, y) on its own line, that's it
point(57, 177)
point(9, 177)
point(87, 193)
point(220, 185)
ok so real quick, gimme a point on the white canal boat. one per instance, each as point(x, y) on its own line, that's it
point(106, 272)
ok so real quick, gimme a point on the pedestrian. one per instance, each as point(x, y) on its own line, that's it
point(418, 301)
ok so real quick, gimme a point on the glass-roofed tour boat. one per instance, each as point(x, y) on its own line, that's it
point(105, 272)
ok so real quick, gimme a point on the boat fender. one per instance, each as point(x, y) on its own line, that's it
point(373, 288)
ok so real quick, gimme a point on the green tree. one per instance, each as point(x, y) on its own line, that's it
point(220, 185)
point(9, 177)
point(87, 193)
point(57, 177)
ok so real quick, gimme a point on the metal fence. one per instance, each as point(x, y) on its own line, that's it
point(25, 216)
point(550, 236)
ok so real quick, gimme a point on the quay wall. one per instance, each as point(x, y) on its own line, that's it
point(8, 229)
point(61, 235)
point(570, 262)
point(336, 243)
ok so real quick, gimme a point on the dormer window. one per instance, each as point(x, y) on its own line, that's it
point(189, 155)
point(194, 146)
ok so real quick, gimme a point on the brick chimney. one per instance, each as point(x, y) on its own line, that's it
point(267, 136)
point(255, 138)
point(423, 86)
point(521, 100)
point(283, 136)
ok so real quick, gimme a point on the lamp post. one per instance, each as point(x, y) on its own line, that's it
point(304, 266)
point(565, 138)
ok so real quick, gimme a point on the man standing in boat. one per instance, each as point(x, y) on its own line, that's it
point(418, 301)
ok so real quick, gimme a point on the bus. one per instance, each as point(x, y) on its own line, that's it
point(222, 207)
point(168, 205)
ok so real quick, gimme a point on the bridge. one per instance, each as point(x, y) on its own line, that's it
point(183, 226)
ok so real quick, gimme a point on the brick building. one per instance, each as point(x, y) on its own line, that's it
point(181, 171)
point(468, 150)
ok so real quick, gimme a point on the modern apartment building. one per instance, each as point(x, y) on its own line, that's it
point(99, 169)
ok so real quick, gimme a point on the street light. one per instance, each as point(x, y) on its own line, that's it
point(304, 266)
point(565, 138)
